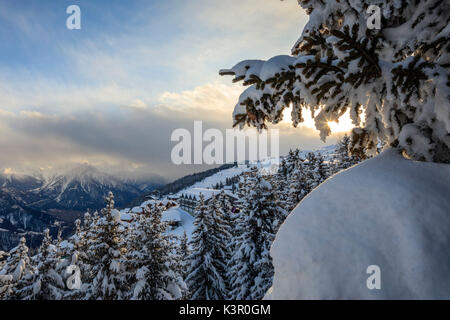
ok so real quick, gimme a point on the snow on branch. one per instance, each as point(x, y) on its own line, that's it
point(397, 77)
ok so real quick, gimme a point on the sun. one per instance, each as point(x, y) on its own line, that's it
point(344, 125)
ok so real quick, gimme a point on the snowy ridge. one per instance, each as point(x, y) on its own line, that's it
point(84, 175)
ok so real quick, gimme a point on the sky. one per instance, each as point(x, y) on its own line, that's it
point(111, 93)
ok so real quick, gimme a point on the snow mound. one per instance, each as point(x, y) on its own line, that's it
point(388, 211)
point(186, 221)
point(171, 215)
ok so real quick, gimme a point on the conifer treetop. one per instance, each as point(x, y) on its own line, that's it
point(394, 81)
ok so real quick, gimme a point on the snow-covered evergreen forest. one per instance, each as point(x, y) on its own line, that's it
point(227, 256)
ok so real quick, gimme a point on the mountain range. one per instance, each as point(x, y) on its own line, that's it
point(31, 203)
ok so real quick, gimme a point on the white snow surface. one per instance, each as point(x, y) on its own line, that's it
point(211, 181)
point(175, 214)
point(186, 222)
point(266, 166)
point(387, 211)
point(171, 215)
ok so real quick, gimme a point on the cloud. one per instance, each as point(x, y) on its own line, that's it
point(25, 21)
point(5, 113)
point(213, 102)
point(35, 115)
point(208, 96)
point(44, 95)
point(111, 96)
point(186, 44)
point(137, 104)
point(249, 16)
point(137, 138)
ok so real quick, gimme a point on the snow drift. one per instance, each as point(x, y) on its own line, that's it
point(388, 211)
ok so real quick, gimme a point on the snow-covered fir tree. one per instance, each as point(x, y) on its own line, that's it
point(153, 260)
point(226, 219)
point(279, 183)
point(5, 279)
point(240, 266)
point(296, 189)
point(207, 278)
point(282, 168)
point(343, 159)
point(77, 255)
point(221, 220)
point(45, 283)
point(5, 286)
point(183, 252)
point(315, 171)
point(290, 161)
point(18, 267)
point(250, 268)
point(106, 247)
point(57, 242)
point(393, 79)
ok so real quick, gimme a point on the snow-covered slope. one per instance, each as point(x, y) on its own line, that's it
point(219, 177)
point(267, 166)
point(21, 182)
point(389, 212)
point(186, 221)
